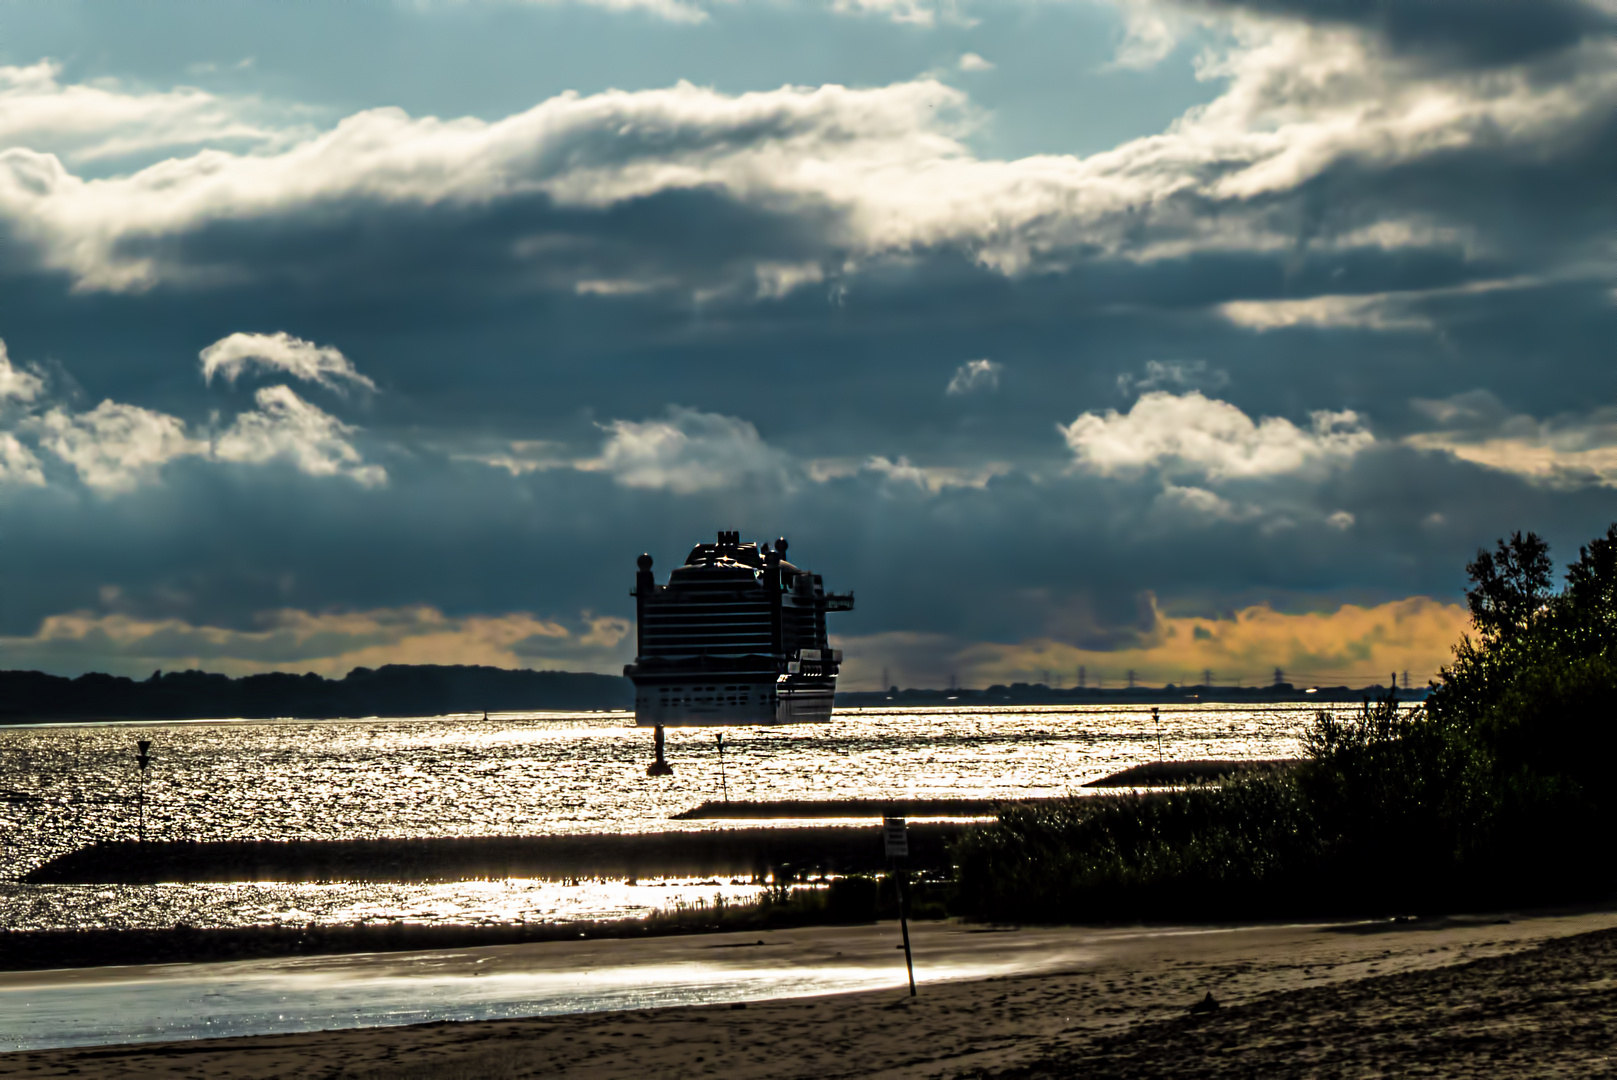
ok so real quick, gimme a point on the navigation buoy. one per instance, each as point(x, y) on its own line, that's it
point(660, 767)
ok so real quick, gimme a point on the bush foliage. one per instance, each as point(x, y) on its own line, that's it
point(1488, 793)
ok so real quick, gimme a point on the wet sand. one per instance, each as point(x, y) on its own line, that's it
point(1459, 997)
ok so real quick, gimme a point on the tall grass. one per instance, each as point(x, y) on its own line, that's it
point(1214, 852)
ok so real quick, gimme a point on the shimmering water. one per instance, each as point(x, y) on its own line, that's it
point(65, 786)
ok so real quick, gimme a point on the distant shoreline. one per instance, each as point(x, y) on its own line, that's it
point(394, 690)
point(1039, 694)
point(405, 691)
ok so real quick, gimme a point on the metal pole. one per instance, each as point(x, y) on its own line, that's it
point(904, 926)
point(1157, 718)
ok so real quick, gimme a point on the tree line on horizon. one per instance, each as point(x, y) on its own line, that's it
point(390, 690)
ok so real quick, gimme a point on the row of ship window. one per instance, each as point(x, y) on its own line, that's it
point(666, 690)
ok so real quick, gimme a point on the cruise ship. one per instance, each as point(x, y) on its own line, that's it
point(736, 637)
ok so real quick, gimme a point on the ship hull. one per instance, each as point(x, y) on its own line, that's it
point(701, 700)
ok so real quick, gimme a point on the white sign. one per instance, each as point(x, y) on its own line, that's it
point(896, 836)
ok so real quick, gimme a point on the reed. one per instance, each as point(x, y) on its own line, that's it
point(1394, 811)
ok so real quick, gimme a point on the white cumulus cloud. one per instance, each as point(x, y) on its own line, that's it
point(89, 122)
point(1196, 435)
point(116, 447)
point(18, 464)
point(974, 377)
point(687, 452)
point(286, 428)
point(17, 386)
point(281, 353)
point(1567, 451)
point(884, 172)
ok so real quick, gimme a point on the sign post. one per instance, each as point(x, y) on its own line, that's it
point(896, 838)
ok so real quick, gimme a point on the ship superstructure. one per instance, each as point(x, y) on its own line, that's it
point(736, 637)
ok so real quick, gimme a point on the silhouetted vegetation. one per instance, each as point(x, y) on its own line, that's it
point(1489, 793)
point(391, 690)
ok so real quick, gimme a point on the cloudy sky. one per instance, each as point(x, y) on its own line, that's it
point(1164, 335)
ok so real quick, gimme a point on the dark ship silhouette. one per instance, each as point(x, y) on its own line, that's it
point(736, 637)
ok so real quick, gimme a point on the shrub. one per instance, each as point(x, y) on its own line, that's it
point(1484, 796)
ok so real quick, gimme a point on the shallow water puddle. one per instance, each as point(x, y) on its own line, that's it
point(113, 1005)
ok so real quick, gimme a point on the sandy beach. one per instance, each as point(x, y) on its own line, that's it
point(1504, 994)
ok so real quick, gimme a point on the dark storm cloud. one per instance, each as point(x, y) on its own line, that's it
point(1480, 32)
point(1068, 555)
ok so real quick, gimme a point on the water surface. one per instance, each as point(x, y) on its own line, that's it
point(65, 786)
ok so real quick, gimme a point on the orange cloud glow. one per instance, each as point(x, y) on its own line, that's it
point(1351, 645)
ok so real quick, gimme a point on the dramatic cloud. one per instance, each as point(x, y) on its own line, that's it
point(973, 377)
point(282, 353)
point(87, 123)
point(18, 465)
point(116, 447)
point(327, 643)
point(866, 175)
point(1200, 436)
point(287, 428)
point(1350, 645)
point(1567, 451)
point(1232, 338)
point(17, 387)
point(688, 452)
point(1481, 32)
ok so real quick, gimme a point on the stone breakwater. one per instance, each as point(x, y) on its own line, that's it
point(789, 852)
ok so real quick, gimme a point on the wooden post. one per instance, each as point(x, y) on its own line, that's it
point(904, 927)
